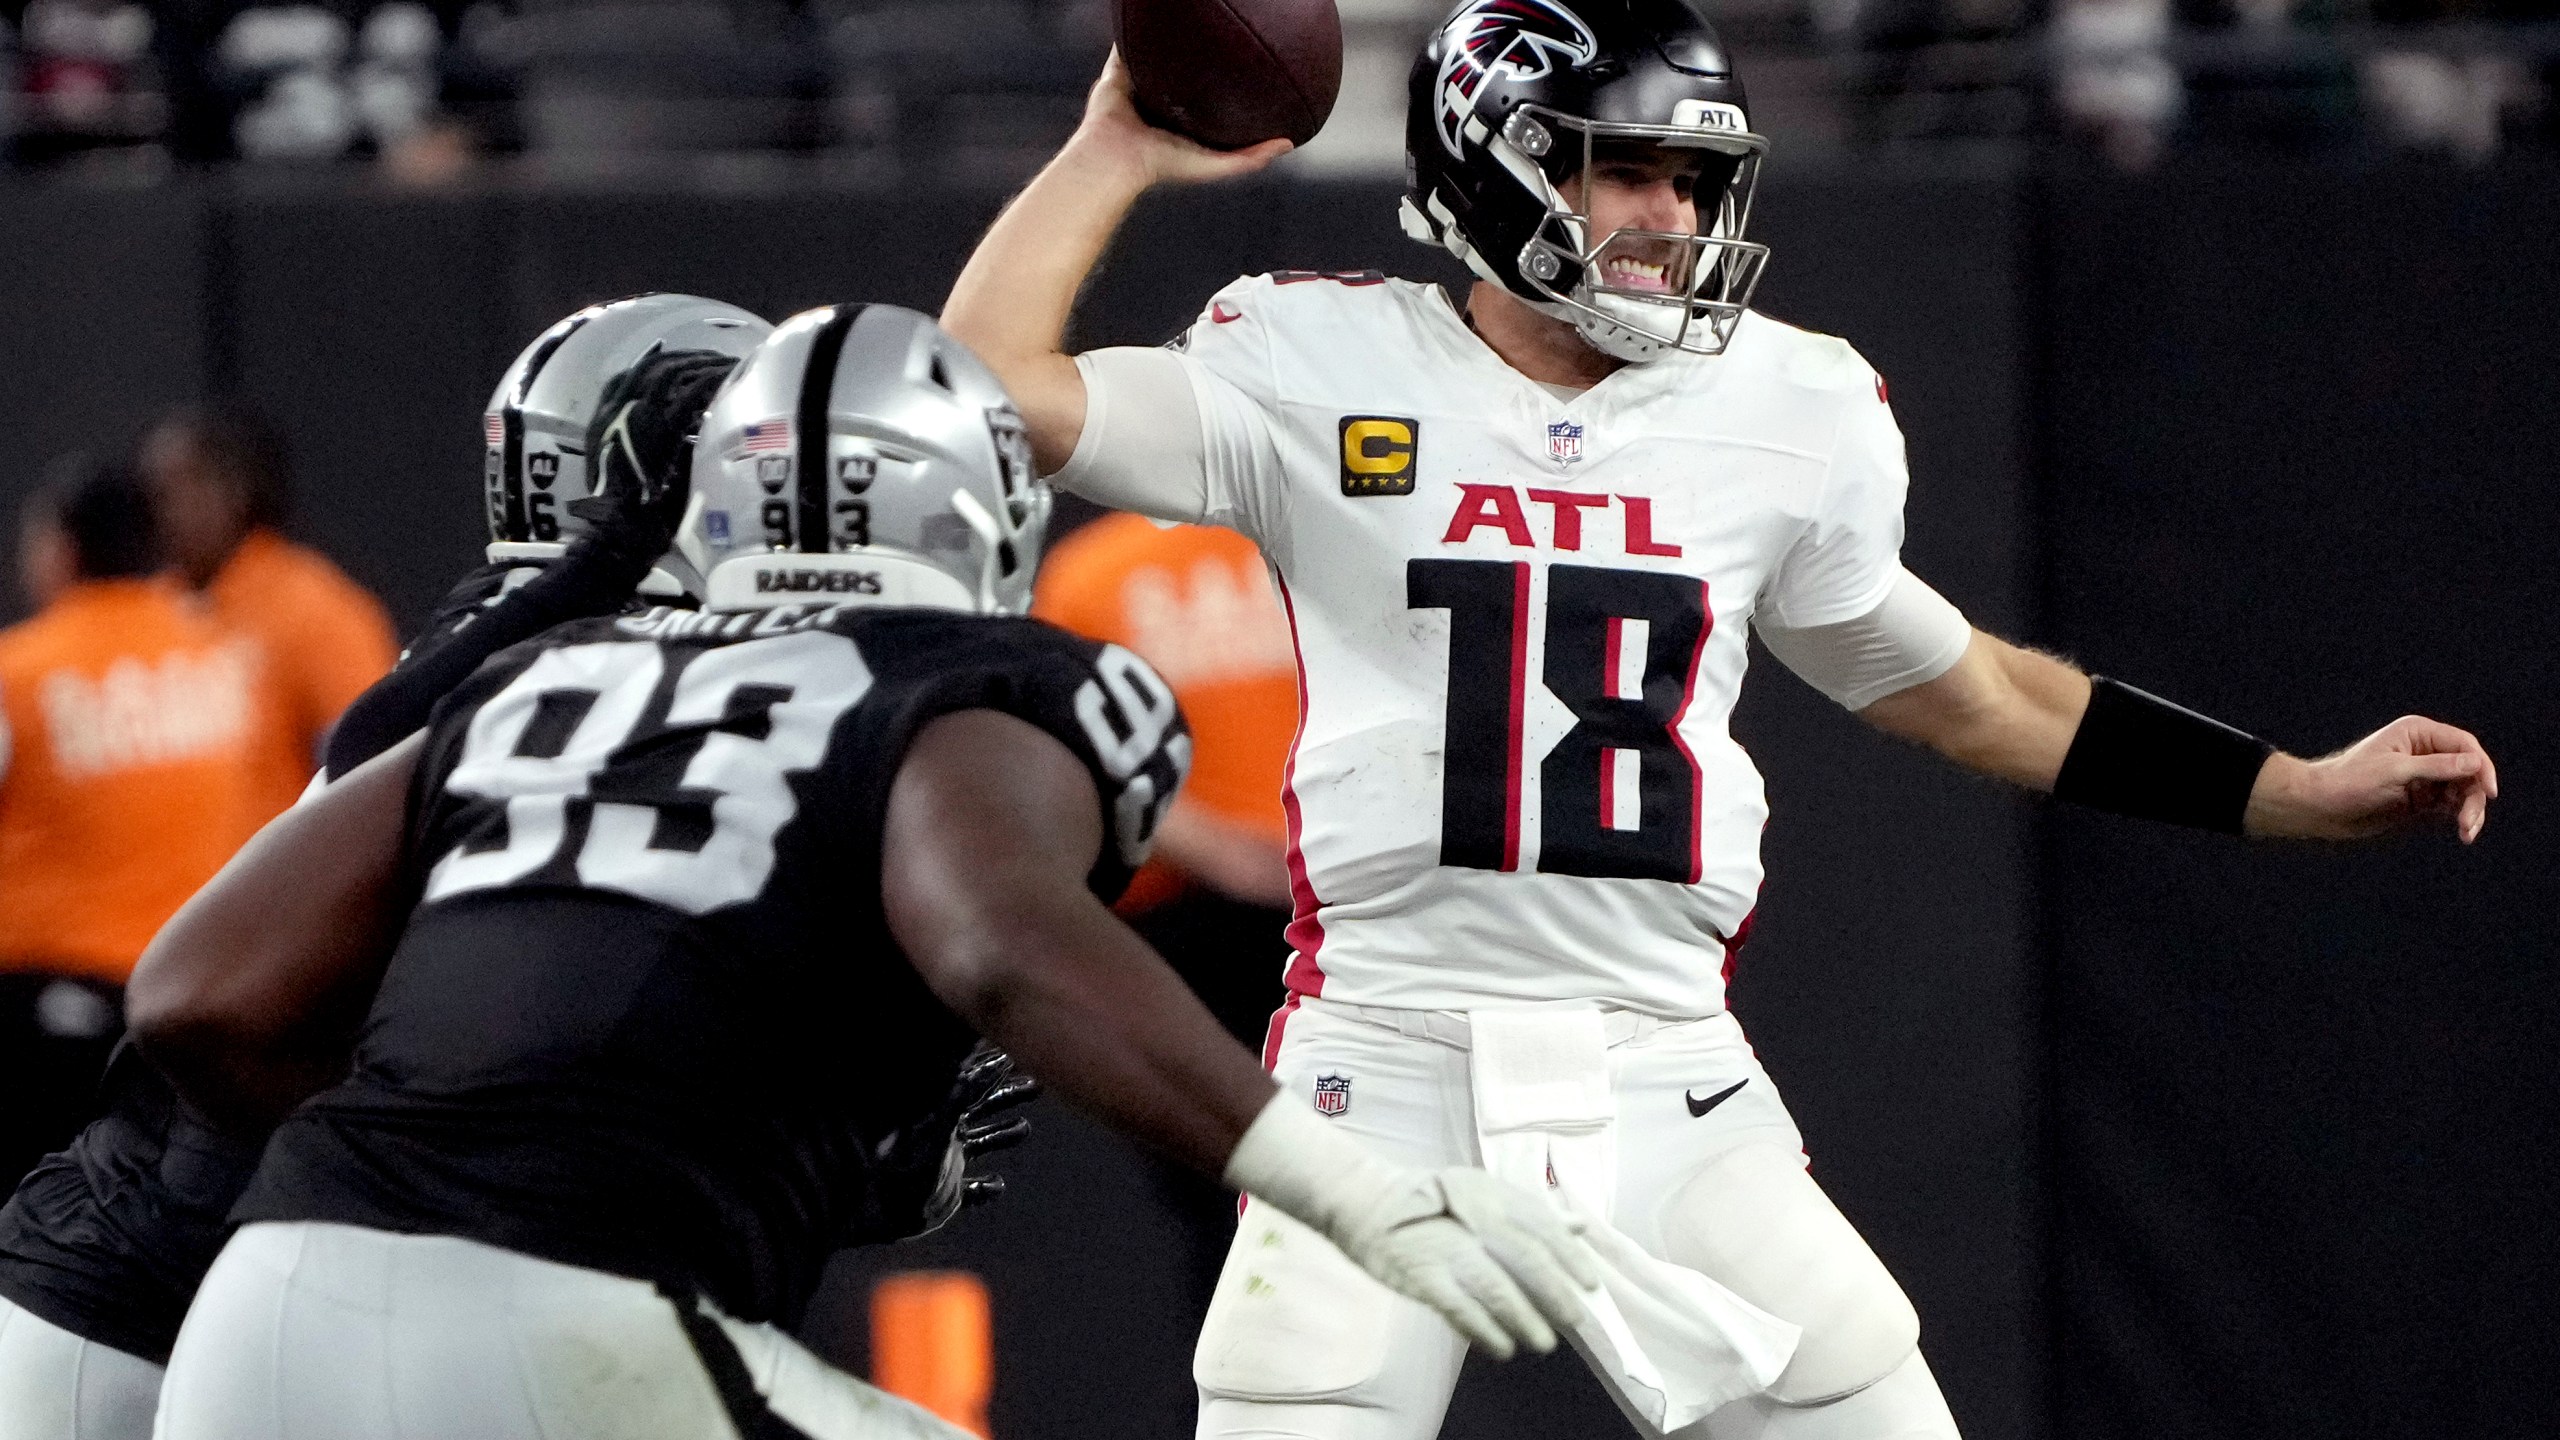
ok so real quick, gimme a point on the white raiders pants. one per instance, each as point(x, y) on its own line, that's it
point(56, 1386)
point(1299, 1344)
point(308, 1331)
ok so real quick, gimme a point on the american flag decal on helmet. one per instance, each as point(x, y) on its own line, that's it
point(496, 426)
point(1517, 39)
point(766, 435)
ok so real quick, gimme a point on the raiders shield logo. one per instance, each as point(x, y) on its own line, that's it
point(1333, 1095)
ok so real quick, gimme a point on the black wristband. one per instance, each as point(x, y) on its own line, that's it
point(2137, 754)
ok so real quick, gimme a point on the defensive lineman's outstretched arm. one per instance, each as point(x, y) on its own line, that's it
point(249, 998)
point(1011, 302)
point(2018, 715)
point(992, 827)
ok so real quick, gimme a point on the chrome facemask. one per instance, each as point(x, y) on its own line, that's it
point(1705, 279)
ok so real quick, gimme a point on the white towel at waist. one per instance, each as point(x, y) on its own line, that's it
point(1679, 1344)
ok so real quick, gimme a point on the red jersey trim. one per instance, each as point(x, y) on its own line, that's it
point(1511, 778)
point(1697, 777)
point(1305, 934)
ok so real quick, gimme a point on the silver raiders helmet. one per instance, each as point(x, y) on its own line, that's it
point(536, 424)
point(861, 455)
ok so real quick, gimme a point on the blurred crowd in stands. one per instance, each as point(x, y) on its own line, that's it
point(168, 696)
point(902, 90)
point(426, 87)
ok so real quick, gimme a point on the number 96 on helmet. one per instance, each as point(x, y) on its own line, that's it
point(861, 455)
point(537, 418)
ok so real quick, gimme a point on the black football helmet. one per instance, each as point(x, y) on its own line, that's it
point(1511, 99)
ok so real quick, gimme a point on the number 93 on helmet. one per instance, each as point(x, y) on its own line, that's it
point(860, 455)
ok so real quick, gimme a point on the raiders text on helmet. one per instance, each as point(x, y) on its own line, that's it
point(1510, 101)
point(536, 425)
point(862, 456)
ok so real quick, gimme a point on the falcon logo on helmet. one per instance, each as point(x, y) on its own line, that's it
point(1519, 39)
point(1523, 111)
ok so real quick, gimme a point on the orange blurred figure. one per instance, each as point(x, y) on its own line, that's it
point(124, 748)
point(933, 1342)
point(1196, 603)
point(218, 477)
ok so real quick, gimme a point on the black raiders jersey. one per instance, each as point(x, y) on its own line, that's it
point(647, 1016)
point(479, 590)
point(108, 1237)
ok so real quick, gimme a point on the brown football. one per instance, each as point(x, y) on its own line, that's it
point(1232, 73)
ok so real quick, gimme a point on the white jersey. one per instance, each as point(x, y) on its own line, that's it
point(1521, 628)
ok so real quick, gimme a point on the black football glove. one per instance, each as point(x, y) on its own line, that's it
point(640, 448)
point(923, 1177)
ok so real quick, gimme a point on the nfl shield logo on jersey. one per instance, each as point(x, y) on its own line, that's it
point(1564, 442)
point(1333, 1094)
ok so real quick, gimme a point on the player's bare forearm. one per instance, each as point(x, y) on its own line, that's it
point(2013, 713)
point(249, 998)
point(1081, 1002)
point(2003, 711)
point(1012, 300)
point(992, 826)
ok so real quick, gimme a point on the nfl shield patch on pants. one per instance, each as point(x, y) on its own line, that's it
point(1333, 1095)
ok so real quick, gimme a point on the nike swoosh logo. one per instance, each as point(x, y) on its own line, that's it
point(1220, 312)
point(1701, 1107)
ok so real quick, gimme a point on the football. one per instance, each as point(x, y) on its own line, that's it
point(1232, 73)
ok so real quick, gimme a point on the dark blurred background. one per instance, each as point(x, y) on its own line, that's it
point(887, 90)
point(2223, 337)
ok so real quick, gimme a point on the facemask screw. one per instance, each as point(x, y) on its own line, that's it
point(1543, 265)
point(1529, 135)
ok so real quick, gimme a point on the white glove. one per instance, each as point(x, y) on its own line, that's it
point(1503, 1265)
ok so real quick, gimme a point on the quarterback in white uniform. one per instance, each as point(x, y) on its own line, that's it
point(1520, 541)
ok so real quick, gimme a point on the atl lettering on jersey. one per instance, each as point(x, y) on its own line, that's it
point(1520, 643)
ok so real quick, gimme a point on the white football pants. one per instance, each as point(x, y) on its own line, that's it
point(308, 1331)
point(56, 1386)
point(1300, 1344)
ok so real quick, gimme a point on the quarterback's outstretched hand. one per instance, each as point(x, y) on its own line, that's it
point(1499, 1263)
point(1113, 126)
point(2402, 774)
